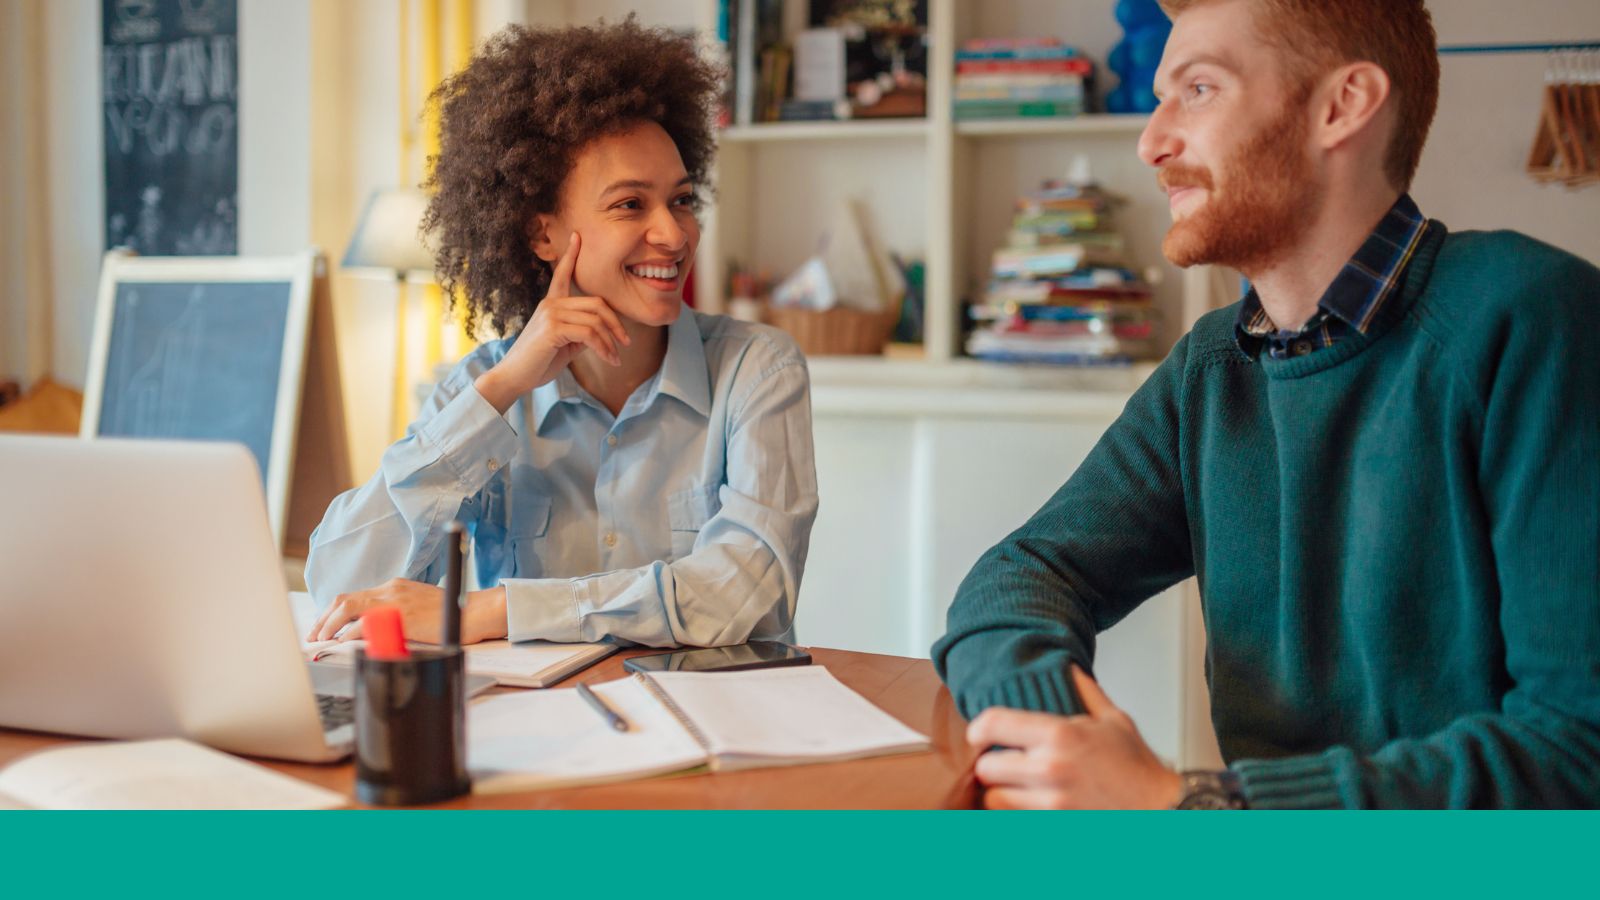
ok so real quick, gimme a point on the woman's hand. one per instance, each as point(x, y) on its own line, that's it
point(563, 325)
point(421, 611)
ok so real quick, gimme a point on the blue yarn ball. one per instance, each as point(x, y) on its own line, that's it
point(1145, 45)
point(1144, 98)
point(1120, 100)
point(1120, 60)
point(1133, 13)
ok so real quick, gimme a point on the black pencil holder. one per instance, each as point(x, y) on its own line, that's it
point(411, 736)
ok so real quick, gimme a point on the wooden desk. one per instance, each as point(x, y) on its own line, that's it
point(905, 688)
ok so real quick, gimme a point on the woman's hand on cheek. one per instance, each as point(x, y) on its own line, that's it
point(564, 324)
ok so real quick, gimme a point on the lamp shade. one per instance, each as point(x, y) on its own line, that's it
point(388, 238)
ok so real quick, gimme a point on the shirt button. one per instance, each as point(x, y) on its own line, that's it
point(611, 539)
point(1301, 348)
point(611, 440)
point(494, 464)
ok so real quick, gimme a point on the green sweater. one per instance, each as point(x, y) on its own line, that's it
point(1397, 541)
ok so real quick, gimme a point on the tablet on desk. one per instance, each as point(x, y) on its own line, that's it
point(752, 655)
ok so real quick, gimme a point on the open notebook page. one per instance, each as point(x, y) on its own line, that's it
point(526, 664)
point(170, 773)
point(796, 714)
point(551, 738)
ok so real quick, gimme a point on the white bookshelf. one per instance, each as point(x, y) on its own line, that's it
point(939, 190)
point(1092, 123)
point(857, 130)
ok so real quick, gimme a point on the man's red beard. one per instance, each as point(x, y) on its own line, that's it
point(1265, 204)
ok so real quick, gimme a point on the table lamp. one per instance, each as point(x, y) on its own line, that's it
point(388, 242)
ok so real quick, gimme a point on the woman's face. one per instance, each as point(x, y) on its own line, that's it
point(629, 197)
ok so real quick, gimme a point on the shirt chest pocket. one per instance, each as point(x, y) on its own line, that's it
point(530, 526)
point(687, 512)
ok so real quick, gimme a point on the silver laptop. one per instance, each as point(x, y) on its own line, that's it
point(141, 595)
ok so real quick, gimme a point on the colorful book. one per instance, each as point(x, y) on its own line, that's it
point(983, 109)
point(1023, 52)
point(1009, 43)
point(1063, 92)
point(1078, 66)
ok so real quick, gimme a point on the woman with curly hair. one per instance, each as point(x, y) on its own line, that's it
point(627, 468)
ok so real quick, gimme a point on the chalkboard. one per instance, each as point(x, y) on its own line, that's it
point(203, 349)
point(169, 85)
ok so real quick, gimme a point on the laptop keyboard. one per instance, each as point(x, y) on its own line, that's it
point(335, 711)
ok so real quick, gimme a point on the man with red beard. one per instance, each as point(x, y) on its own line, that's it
point(1383, 466)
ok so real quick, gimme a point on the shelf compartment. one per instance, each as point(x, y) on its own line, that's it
point(851, 129)
point(1089, 123)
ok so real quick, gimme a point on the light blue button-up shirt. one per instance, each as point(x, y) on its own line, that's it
point(682, 520)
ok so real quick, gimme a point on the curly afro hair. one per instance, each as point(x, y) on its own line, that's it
point(512, 123)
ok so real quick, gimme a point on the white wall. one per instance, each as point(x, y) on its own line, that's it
point(76, 176)
point(1472, 170)
point(275, 138)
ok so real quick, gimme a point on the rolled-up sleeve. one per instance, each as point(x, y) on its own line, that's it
point(742, 578)
point(393, 526)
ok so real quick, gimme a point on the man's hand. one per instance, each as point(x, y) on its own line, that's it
point(563, 325)
point(421, 611)
point(1092, 761)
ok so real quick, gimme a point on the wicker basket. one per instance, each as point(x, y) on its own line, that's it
point(835, 332)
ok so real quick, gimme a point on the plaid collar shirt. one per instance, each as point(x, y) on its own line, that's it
point(1352, 301)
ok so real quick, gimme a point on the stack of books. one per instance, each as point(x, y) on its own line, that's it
point(1010, 77)
point(1059, 292)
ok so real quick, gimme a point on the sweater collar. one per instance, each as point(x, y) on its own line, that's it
point(1357, 293)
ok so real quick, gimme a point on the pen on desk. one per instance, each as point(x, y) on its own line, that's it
point(450, 632)
point(593, 699)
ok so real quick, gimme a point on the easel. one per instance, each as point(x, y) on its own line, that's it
point(305, 399)
point(322, 451)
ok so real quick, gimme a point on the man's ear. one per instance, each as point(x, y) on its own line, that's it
point(540, 228)
point(1352, 97)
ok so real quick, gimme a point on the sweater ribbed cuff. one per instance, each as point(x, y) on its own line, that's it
point(1296, 782)
point(1043, 691)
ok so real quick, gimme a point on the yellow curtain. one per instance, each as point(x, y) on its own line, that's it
point(27, 332)
point(429, 55)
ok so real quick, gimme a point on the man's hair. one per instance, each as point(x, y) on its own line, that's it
point(512, 123)
point(1314, 37)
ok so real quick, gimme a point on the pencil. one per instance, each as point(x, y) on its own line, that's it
point(593, 699)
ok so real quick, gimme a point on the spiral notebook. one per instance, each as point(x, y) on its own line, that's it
point(531, 664)
point(677, 721)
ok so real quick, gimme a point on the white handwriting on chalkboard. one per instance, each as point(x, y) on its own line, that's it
point(191, 71)
point(176, 96)
point(167, 129)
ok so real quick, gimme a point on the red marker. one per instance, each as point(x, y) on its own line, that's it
point(384, 632)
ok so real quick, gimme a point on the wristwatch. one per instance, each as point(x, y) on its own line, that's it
point(1212, 790)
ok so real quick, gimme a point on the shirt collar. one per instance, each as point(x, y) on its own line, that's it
point(683, 372)
point(682, 375)
point(1363, 284)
